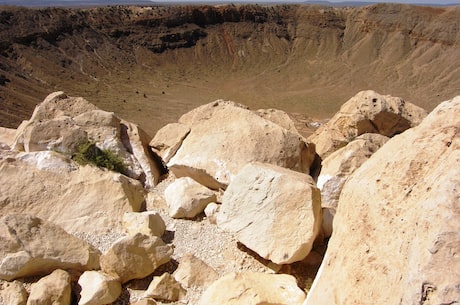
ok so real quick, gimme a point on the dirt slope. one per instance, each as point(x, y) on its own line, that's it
point(151, 64)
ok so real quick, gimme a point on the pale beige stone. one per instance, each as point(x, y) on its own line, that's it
point(13, 293)
point(165, 288)
point(148, 223)
point(146, 301)
point(251, 288)
point(7, 136)
point(274, 211)
point(278, 117)
point(168, 140)
point(211, 212)
point(98, 288)
point(193, 272)
point(336, 169)
point(93, 199)
point(53, 289)
point(186, 198)
point(135, 257)
point(31, 246)
point(226, 136)
point(366, 112)
point(396, 232)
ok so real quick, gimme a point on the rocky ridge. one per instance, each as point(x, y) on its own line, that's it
point(260, 237)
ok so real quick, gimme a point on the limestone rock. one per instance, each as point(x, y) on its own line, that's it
point(193, 272)
point(211, 211)
point(274, 211)
point(63, 123)
point(135, 257)
point(14, 294)
point(366, 112)
point(186, 198)
point(98, 288)
point(338, 166)
point(31, 246)
point(396, 232)
point(148, 223)
point(146, 301)
point(250, 288)
point(226, 136)
point(53, 289)
point(278, 117)
point(165, 288)
point(93, 200)
point(168, 140)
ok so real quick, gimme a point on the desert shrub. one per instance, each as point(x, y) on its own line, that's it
point(89, 153)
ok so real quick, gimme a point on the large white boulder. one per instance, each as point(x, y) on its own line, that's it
point(396, 236)
point(274, 211)
point(31, 246)
point(225, 136)
point(78, 198)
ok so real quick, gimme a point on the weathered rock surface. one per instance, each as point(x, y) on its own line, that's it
point(52, 289)
point(93, 200)
point(225, 136)
point(98, 288)
point(165, 288)
point(250, 288)
point(187, 198)
point(193, 272)
point(168, 140)
point(211, 211)
point(336, 169)
point(366, 112)
point(7, 136)
point(31, 246)
point(135, 257)
point(396, 233)
point(274, 211)
point(63, 123)
point(13, 294)
point(147, 301)
point(147, 223)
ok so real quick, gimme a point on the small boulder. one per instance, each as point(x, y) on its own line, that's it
point(251, 288)
point(7, 136)
point(211, 212)
point(98, 288)
point(147, 223)
point(165, 288)
point(193, 272)
point(366, 112)
point(31, 246)
point(52, 289)
point(274, 211)
point(13, 293)
point(135, 257)
point(186, 198)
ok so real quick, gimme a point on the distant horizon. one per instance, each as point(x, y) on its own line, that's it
point(76, 3)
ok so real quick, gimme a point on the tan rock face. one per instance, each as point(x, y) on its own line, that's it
point(274, 211)
point(7, 136)
point(148, 223)
point(250, 288)
point(31, 246)
point(93, 200)
point(135, 257)
point(366, 112)
point(193, 272)
point(165, 288)
point(396, 233)
point(168, 140)
point(338, 166)
point(53, 289)
point(14, 294)
point(98, 288)
point(61, 123)
point(186, 198)
point(226, 136)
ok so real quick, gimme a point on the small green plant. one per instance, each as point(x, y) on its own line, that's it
point(89, 153)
